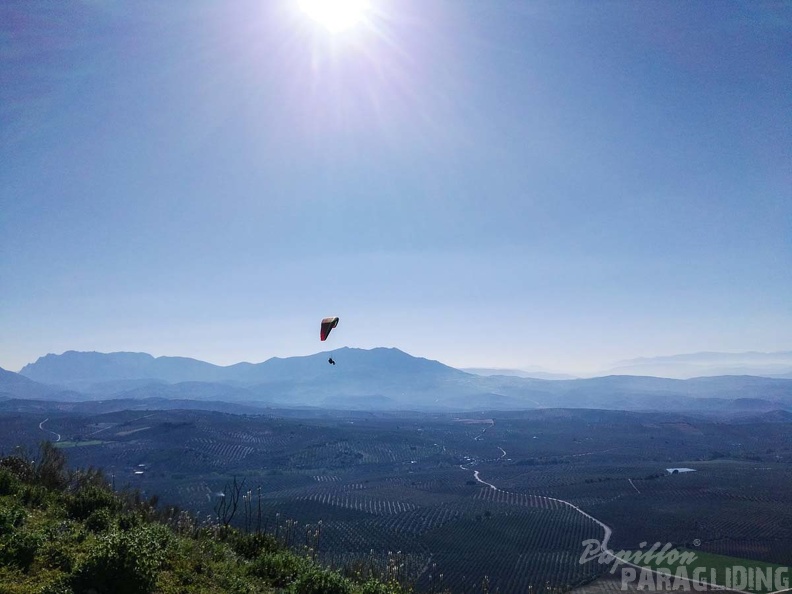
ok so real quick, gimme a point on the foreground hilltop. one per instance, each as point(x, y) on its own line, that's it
point(68, 531)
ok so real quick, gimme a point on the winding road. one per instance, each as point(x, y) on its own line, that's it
point(607, 555)
point(483, 482)
point(41, 426)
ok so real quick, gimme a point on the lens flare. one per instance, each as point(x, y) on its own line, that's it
point(335, 15)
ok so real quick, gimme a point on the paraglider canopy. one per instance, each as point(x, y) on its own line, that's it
point(327, 325)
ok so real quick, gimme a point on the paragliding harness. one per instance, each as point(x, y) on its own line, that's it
point(330, 360)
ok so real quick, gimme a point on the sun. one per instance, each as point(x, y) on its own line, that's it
point(335, 15)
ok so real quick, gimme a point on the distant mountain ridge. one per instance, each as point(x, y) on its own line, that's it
point(376, 379)
point(389, 377)
point(690, 365)
point(75, 367)
point(83, 369)
point(14, 385)
point(709, 356)
point(535, 373)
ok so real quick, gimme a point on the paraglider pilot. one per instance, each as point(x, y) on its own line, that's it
point(327, 325)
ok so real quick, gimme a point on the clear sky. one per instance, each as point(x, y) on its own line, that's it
point(503, 183)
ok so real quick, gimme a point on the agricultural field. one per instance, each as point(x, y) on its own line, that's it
point(466, 503)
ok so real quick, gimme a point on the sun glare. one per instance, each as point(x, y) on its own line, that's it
point(335, 15)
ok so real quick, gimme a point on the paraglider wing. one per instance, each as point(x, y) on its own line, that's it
point(327, 325)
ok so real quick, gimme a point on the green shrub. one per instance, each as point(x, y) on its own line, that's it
point(320, 581)
point(89, 499)
point(99, 520)
point(278, 569)
point(9, 484)
point(20, 548)
point(11, 517)
point(56, 554)
point(375, 587)
point(51, 470)
point(90, 476)
point(124, 562)
point(34, 495)
point(60, 585)
point(251, 546)
point(21, 467)
point(128, 521)
point(65, 533)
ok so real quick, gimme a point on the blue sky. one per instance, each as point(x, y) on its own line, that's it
point(509, 184)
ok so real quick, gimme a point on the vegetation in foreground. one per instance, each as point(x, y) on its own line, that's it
point(67, 532)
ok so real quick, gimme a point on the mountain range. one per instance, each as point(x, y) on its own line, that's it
point(376, 379)
point(689, 365)
point(535, 373)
